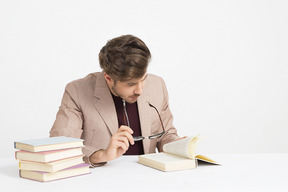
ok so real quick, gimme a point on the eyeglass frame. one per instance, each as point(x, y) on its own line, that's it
point(140, 138)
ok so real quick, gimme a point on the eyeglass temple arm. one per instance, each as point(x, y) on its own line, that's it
point(158, 115)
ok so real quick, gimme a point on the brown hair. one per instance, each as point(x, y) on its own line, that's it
point(125, 58)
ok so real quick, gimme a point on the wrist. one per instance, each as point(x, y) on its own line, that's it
point(98, 157)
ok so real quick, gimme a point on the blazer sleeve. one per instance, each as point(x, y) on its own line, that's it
point(69, 119)
point(167, 118)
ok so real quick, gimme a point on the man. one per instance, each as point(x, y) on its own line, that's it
point(115, 109)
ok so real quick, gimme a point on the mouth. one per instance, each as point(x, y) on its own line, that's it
point(134, 97)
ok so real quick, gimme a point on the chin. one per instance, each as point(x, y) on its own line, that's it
point(131, 100)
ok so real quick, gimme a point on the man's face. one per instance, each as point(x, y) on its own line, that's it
point(128, 90)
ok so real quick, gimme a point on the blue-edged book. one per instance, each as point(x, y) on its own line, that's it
point(48, 144)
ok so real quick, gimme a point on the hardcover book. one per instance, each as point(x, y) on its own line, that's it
point(48, 156)
point(52, 166)
point(77, 170)
point(47, 144)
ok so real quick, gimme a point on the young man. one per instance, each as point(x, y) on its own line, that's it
point(121, 110)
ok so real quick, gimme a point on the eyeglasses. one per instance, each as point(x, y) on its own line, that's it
point(140, 138)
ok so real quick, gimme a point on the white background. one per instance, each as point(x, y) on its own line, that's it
point(224, 62)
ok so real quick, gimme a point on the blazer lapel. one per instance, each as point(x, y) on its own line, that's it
point(105, 104)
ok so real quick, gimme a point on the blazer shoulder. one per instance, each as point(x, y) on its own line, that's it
point(83, 85)
point(154, 81)
point(155, 91)
point(155, 85)
point(154, 78)
point(89, 79)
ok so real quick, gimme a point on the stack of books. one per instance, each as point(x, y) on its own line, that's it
point(50, 158)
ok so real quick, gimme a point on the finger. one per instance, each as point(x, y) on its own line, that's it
point(124, 140)
point(128, 136)
point(122, 145)
point(125, 128)
point(181, 138)
point(122, 136)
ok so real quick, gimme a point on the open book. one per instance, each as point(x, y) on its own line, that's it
point(177, 155)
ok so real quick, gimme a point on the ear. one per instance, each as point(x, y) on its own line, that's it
point(108, 78)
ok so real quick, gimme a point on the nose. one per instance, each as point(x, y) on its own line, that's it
point(139, 89)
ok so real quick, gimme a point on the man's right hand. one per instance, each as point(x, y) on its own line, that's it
point(118, 145)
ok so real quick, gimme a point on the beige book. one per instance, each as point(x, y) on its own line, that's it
point(48, 144)
point(177, 155)
point(48, 156)
point(76, 170)
point(52, 166)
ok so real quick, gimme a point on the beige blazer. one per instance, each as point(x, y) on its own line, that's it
point(87, 111)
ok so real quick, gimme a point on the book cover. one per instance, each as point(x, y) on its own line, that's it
point(50, 143)
point(81, 169)
point(52, 166)
point(48, 156)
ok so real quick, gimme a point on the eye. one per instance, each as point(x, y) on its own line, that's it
point(131, 84)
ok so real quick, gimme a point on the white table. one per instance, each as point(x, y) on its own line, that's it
point(239, 172)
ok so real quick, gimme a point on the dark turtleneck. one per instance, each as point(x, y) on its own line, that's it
point(133, 115)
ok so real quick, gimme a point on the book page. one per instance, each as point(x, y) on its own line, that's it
point(163, 157)
point(206, 159)
point(166, 162)
point(184, 147)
